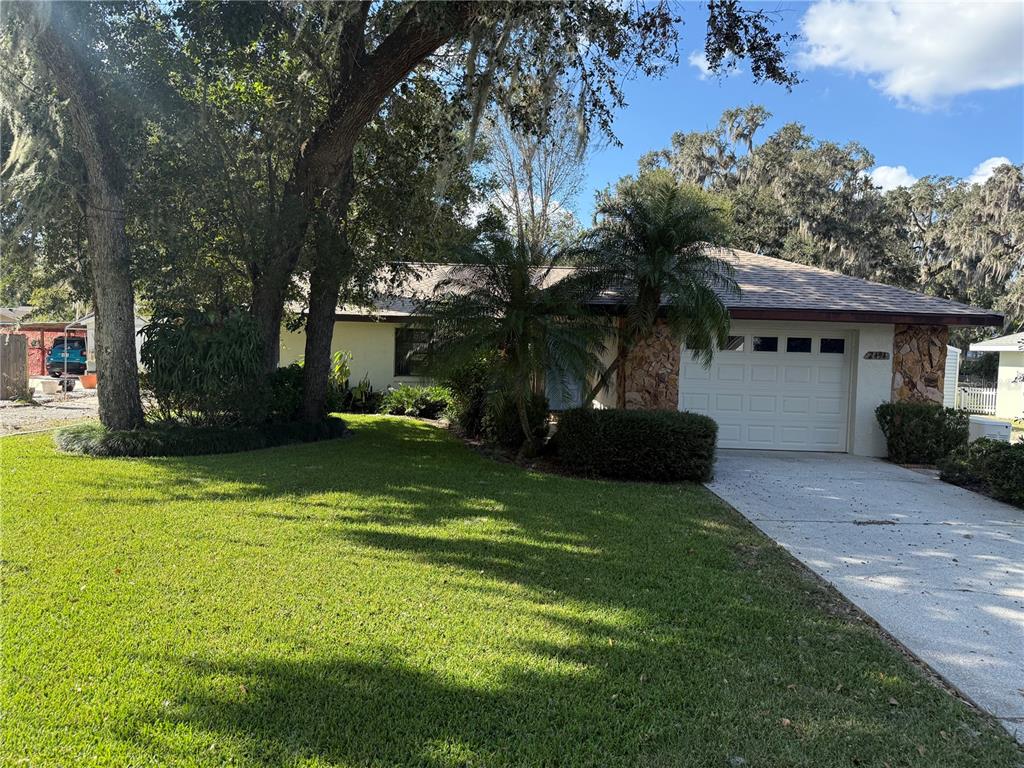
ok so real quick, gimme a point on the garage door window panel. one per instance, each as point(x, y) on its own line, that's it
point(766, 344)
point(798, 344)
point(832, 346)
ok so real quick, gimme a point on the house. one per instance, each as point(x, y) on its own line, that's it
point(39, 336)
point(1010, 386)
point(810, 356)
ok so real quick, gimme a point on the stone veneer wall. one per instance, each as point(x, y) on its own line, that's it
point(650, 376)
point(919, 362)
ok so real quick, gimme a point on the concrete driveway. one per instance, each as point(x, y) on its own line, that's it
point(941, 568)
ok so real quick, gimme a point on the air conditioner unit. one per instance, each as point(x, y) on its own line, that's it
point(986, 426)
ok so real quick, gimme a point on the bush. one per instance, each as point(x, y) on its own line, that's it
point(921, 433)
point(470, 390)
point(169, 439)
point(360, 398)
point(667, 446)
point(992, 466)
point(286, 389)
point(421, 402)
point(501, 421)
point(205, 368)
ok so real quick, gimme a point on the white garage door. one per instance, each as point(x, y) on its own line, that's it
point(777, 390)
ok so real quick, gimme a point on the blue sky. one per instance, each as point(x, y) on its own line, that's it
point(864, 79)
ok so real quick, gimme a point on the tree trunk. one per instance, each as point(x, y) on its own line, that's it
point(333, 263)
point(120, 406)
point(117, 370)
point(529, 447)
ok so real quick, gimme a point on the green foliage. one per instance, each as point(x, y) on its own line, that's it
point(995, 467)
point(652, 244)
point(985, 368)
point(661, 446)
point(286, 388)
point(470, 387)
point(921, 433)
point(813, 201)
point(361, 398)
point(421, 402)
point(503, 306)
point(172, 439)
point(502, 423)
point(205, 368)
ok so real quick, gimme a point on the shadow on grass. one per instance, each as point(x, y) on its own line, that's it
point(677, 635)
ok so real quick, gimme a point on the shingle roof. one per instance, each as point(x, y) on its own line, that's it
point(770, 288)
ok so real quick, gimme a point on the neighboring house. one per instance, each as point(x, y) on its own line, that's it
point(39, 336)
point(810, 356)
point(1010, 386)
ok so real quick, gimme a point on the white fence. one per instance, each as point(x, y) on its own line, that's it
point(976, 400)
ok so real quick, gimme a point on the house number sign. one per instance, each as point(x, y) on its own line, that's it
point(876, 355)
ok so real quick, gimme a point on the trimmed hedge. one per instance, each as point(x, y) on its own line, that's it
point(995, 467)
point(182, 440)
point(921, 433)
point(666, 446)
point(421, 402)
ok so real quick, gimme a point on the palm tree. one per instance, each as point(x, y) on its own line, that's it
point(654, 243)
point(510, 301)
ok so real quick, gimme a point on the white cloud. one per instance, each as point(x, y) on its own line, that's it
point(919, 52)
point(983, 170)
point(891, 176)
point(700, 61)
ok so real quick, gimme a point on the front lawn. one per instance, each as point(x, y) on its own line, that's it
point(394, 599)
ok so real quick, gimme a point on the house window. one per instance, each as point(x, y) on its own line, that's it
point(411, 351)
point(798, 344)
point(734, 344)
point(766, 343)
point(832, 346)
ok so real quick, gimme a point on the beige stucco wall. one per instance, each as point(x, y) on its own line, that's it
point(372, 345)
point(1010, 395)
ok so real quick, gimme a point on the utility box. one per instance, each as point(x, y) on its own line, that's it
point(988, 427)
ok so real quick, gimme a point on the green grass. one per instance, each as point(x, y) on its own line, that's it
point(394, 599)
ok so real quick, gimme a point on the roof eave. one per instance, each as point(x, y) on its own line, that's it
point(868, 316)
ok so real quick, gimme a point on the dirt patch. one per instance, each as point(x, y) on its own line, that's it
point(47, 412)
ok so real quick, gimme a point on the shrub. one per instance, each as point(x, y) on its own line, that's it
point(501, 421)
point(286, 389)
point(170, 439)
point(205, 368)
point(470, 389)
point(667, 446)
point(921, 433)
point(994, 467)
point(361, 398)
point(421, 402)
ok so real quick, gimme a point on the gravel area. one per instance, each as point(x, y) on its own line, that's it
point(47, 411)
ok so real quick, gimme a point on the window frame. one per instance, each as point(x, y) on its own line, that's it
point(411, 363)
point(753, 345)
point(808, 351)
point(823, 339)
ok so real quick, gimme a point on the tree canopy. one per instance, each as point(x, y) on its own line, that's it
point(813, 201)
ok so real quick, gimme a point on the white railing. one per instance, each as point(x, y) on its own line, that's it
point(976, 399)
